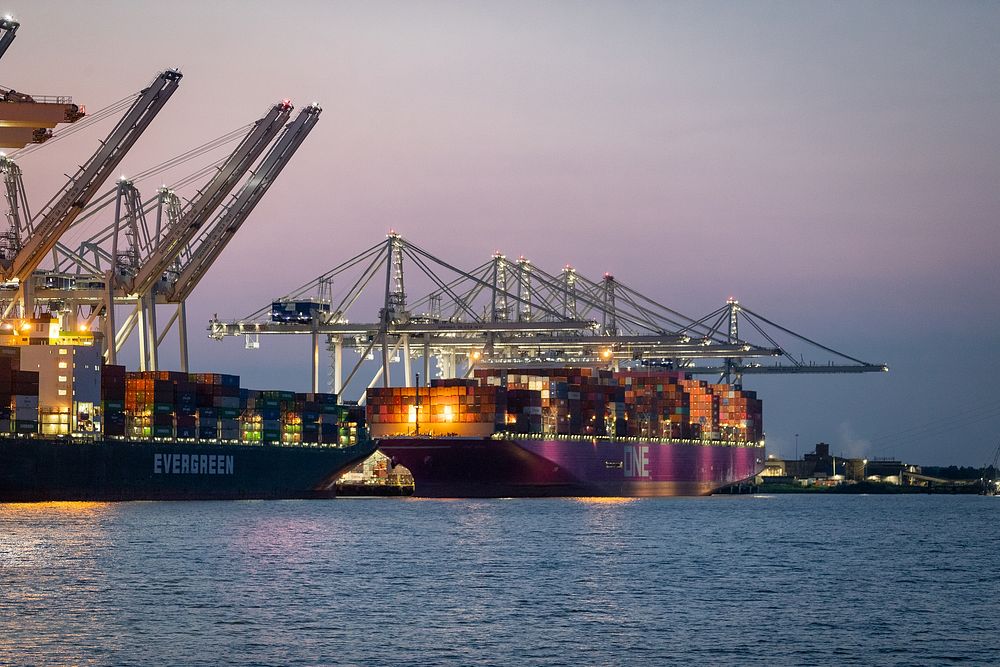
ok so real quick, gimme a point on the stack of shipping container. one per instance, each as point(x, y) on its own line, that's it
point(569, 401)
point(167, 405)
point(447, 407)
point(18, 395)
point(160, 405)
point(113, 400)
point(217, 401)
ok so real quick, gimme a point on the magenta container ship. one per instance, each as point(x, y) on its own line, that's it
point(569, 432)
point(455, 467)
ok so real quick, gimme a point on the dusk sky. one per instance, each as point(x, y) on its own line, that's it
point(834, 166)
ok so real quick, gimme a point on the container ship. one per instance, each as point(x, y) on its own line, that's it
point(75, 428)
point(569, 432)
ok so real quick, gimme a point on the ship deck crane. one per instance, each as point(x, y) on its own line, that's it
point(58, 215)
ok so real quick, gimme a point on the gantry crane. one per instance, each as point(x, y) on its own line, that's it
point(105, 267)
point(179, 234)
point(131, 261)
point(469, 318)
point(211, 244)
point(727, 319)
point(148, 271)
point(60, 212)
point(202, 251)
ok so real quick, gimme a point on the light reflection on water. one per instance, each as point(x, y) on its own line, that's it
point(746, 580)
point(610, 500)
point(75, 507)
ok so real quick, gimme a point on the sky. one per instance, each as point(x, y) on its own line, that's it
point(834, 166)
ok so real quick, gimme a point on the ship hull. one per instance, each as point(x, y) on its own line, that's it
point(34, 470)
point(492, 468)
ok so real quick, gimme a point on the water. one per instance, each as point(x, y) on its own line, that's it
point(729, 580)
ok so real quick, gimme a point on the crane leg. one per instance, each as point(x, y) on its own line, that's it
point(141, 324)
point(151, 347)
point(407, 376)
point(315, 360)
point(385, 360)
point(182, 334)
point(427, 359)
point(111, 353)
point(338, 364)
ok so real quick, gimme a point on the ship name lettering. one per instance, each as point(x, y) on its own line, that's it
point(193, 464)
point(636, 461)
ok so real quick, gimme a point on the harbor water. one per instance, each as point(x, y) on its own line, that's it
point(724, 580)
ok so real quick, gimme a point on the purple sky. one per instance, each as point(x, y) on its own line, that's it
point(833, 166)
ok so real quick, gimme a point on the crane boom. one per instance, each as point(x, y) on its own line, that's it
point(59, 214)
point(229, 220)
point(9, 27)
point(178, 235)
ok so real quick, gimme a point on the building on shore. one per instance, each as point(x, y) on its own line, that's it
point(820, 467)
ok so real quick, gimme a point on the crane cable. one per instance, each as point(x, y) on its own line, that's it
point(104, 199)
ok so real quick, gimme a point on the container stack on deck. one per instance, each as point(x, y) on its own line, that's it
point(211, 407)
point(569, 401)
point(457, 407)
point(18, 396)
point(113, 400)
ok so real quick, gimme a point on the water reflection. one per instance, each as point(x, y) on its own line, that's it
point(70, 507)
point(605, 500)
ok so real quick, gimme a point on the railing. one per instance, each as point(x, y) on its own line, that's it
point(505, 435)
point(41, 99)
point(52, 99)
point(90, 438)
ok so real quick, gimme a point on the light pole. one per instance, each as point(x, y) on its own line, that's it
point(796, 446)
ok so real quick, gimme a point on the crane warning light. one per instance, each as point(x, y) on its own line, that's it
point(286, 103)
